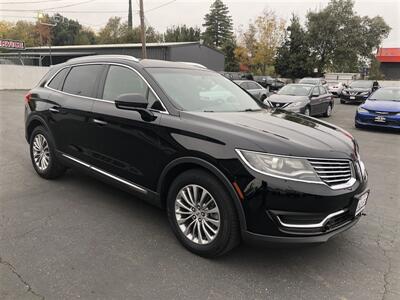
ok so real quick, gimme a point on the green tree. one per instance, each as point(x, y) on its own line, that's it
point(66, 30)
point(293, 56)
point(182, 34)
point(218, 25)
point(340, 40)
point(231, 62)
point(112, 32)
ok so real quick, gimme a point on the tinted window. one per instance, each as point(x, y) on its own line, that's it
point(244, 85)
point(81, 80)
point(322, 90)
point(122, 80)
point(57, 81)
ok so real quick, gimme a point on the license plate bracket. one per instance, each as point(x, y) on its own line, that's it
point(380, 119)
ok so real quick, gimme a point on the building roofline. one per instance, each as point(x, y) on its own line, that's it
point(126, 45)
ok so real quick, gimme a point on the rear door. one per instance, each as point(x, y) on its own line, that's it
point(71, 109)
point(325, 98)
point(127, 146)
point(254, 89)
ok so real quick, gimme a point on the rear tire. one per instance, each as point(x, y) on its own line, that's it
point(208, 227)
point(43, 156)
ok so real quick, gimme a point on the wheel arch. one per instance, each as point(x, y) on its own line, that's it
point(182, 164)
point(32, 123)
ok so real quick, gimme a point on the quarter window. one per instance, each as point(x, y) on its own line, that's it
point(82, 80)
point(121, 80)
point(57, 81)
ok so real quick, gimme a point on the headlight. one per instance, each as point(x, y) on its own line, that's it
point(364, 93)
point(295, 104)
point(361, 110)
point(285, 167)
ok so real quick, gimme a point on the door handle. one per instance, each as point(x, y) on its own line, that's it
point(54, 109)
point(100, 122)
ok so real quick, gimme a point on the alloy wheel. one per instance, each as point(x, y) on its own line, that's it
point(197, 214)
point(41, 152)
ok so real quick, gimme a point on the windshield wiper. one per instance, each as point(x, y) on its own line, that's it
point(250, 109)
point(208, 111)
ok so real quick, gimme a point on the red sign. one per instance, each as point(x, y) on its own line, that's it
point(388, 55)
point(10, 44)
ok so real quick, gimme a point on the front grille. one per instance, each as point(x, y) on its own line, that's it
point(332, 172)
point(279, 104)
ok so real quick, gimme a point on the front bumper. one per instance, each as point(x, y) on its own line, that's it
point(353, 98)
point(255, 238)
point(369, 120)
point(278, 210)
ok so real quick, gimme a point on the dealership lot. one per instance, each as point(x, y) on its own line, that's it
point(79, 238)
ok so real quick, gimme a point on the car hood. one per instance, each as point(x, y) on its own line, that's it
point(386, 106)
point(286, 98)
point(277, 131)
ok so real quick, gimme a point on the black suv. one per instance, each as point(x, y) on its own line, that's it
point(191, 141)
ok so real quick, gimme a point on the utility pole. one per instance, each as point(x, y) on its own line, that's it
point(142, 30)
point(130, 23)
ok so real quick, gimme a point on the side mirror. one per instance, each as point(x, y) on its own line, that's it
point(135, 102)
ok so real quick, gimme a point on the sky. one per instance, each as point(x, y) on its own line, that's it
point(164, 13)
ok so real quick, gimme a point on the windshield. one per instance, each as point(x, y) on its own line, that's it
point(309, 81)
point(361, 84)
point(333, 83)
point(202, 90)
point(295, 90)
point(386, 94)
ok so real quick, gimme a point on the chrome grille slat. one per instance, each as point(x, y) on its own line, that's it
point(332, 171)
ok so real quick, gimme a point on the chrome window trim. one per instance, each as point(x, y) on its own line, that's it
point(348, 184)
point(103, 100)
point(138, 188)
point(314, 225)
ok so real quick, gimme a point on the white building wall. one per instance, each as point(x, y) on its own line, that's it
point(15, 77)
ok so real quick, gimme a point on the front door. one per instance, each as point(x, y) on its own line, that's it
point(127, 146)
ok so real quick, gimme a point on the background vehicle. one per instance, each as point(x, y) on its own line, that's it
point(315, 81)
point(273, 84)
point(306, 99)
point(336, 87)
point(382, 109)
point(358, 91)
point(258, 91)
point(189, 140)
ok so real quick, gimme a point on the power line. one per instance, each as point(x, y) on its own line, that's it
point(50, 8)
point(161, 5)
point(29, 2)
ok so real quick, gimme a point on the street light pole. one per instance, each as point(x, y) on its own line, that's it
point(143, 30)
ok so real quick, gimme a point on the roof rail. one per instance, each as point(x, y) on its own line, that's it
point(193, 64)
point(120, 56)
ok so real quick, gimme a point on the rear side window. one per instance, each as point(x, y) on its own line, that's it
point(82, 80)
point(121, 80)
point(58, 80)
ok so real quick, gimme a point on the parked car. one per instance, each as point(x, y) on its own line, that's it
point(336, 87)
point(273, 84)
point(358, 91)
point(314, 81)
point(382, 109)
point(224, 168)
point(306, 99)
point(258, 91)
point(237, 75)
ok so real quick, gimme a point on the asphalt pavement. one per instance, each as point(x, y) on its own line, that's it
point(79, 238)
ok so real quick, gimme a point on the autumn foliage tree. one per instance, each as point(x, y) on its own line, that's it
point(259, 43)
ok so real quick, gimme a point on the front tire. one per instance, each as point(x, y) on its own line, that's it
point(43, 156)
point(328, 111)
point(202, 214)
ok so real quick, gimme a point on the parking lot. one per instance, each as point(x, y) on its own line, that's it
point(79, 238)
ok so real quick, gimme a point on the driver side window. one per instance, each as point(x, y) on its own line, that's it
point(315, 91)
point(121, 80)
